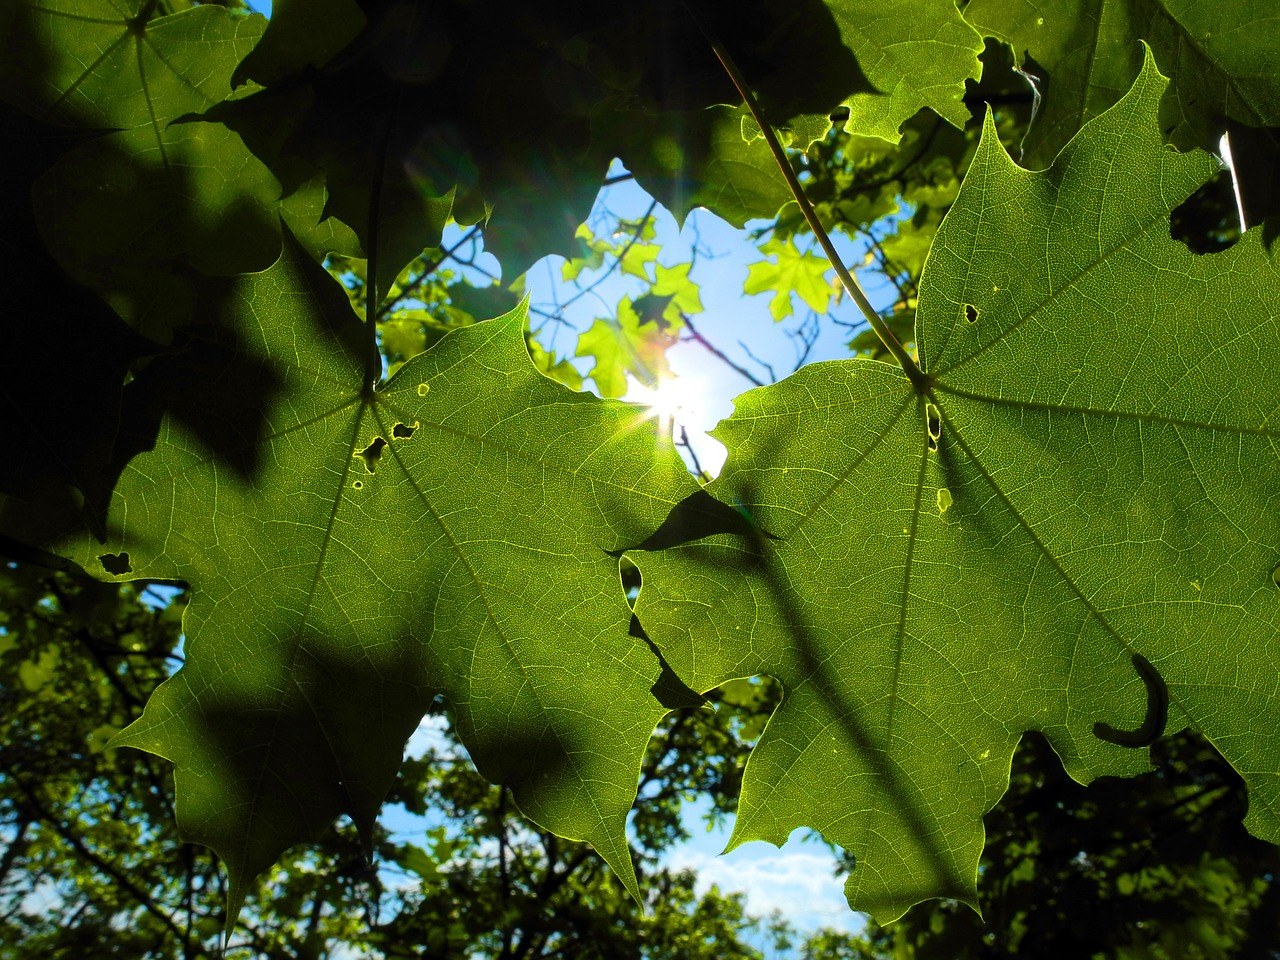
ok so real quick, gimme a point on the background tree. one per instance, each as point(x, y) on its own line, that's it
point(92, 862)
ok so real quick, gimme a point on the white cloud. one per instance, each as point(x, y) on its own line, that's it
point(797, 881)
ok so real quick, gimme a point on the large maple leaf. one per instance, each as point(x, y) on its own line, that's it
point(354, 552)
point(1071, 526)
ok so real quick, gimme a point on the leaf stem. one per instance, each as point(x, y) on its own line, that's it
point(917, 377)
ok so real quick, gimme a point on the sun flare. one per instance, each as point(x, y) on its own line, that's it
point(672, 400)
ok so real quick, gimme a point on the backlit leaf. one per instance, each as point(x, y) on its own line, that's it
point(449, 533)
point(1072, 528)
point(792, 272)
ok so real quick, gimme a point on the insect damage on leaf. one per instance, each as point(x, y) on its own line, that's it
point(115, 563)
point(352, 645)
point(1085, 493)
point(373, 453)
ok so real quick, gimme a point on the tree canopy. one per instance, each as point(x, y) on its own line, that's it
point(1042, 498)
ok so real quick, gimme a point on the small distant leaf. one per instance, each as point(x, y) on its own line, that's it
point(626, 345)
point(636, 260)
point(674, 282)
point(591, 254)
point(560, 370)
point(35, 674)
point(791, 272)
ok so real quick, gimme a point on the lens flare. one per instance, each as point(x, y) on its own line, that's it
point(670, 401)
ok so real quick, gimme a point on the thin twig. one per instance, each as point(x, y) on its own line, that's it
point(635, 237)
point(715, 351)
point(701, 474)
point(808, 339)
point(887, 265)
point(773, 375)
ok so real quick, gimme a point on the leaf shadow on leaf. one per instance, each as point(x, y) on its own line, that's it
point(670, 691)
point(208, 382)
point(253, 783)
point(57, 429)
point(701, 515)
point(402, 144)
point(147, 234)
point(218, 386)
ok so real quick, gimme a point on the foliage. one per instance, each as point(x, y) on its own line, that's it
point(90, 858)
point(1159, 864)
point(1057, 515)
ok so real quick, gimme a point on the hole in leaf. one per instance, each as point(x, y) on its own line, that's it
point(372, 454)
point(840, 115)
point(746, 704)
point(423, 389)
point(1275, 575)
point(944, 500)
point(402, 431)
point(630, 579)
point(116, 563)
point(358, 485)
point(1208, 221)
point(970, 312)
point(934, 424)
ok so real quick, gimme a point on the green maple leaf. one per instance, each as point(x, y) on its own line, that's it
point(1221, 57)
point(674, 283)
point(632, 343)
point(120, 209)
point(359, 552)
point(915, 54)
point(1072, 527)
point(117, 209)
point(116, 65)
point(792, 272)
